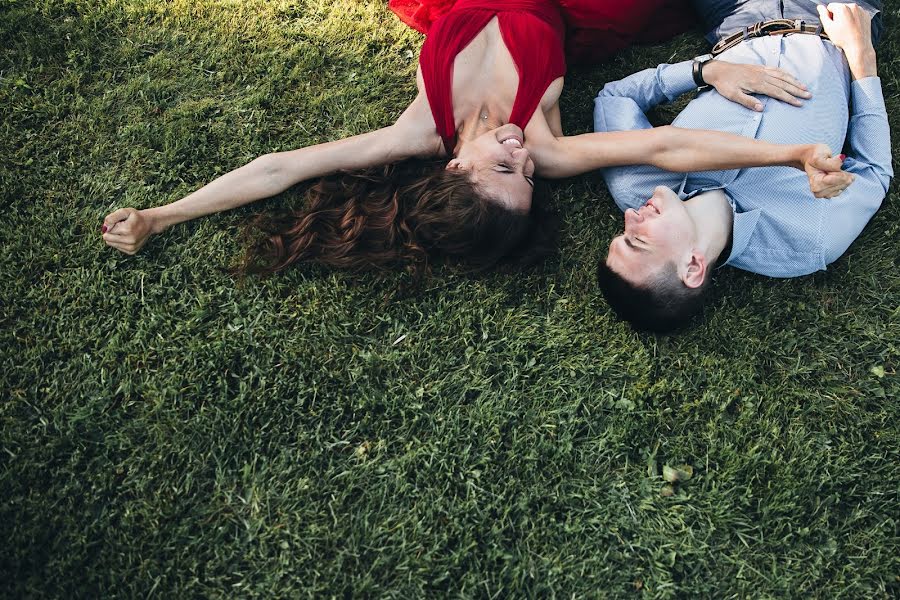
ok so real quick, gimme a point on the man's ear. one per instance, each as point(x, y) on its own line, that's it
point(454, 164)
point(695, 272)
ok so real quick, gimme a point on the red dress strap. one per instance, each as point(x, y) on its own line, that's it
point(537, 49)
point(446, 38)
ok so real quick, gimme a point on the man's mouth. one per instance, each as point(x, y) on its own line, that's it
point(653, 205)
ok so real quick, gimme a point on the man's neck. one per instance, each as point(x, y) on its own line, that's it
point(714, 219)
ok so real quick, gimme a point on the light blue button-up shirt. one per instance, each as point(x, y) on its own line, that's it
point(780, 228)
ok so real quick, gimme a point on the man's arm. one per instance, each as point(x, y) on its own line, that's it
point(869, 138)
point(644, 90)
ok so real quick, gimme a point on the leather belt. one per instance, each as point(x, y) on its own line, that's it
point(765, 28)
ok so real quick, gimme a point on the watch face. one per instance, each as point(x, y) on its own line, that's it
point(704, 58)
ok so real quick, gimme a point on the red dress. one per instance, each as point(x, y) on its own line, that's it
point(539, 35)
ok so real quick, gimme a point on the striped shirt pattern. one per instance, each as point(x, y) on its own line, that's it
point(780, 228)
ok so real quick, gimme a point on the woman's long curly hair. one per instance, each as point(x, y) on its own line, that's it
point(406, 214)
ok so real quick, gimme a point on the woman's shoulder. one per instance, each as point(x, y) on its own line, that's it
point(417, 128)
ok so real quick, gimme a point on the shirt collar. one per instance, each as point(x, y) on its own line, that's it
point(742, 231)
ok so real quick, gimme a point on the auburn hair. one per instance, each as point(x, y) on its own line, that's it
point(405, 214)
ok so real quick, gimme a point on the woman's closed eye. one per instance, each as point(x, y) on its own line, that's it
point(508, 169)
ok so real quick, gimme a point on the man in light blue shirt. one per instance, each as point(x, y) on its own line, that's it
point(763, 220)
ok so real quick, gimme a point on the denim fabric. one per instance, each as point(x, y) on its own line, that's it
point(724, 17)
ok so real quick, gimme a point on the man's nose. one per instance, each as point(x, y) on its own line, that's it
point(633, 217)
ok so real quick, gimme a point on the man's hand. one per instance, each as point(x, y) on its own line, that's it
point(737, 81)
point(826, 179)
point(127, 229)
point(849, 27)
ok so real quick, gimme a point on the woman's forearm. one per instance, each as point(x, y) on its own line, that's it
point(686, 150)
point(273, 173)
point(669, 148)
point(413, 134)
point(256, 180)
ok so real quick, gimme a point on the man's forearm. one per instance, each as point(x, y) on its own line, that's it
point(863, 63)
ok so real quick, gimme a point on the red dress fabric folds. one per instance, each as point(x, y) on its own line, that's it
point(595, 29)
point(539, 34)
point(532, 31)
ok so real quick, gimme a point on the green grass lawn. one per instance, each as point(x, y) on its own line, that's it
point(169, 432)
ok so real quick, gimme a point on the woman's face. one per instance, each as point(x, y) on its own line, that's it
point(499, 165)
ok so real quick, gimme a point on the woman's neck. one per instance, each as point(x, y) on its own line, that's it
point(479, 120)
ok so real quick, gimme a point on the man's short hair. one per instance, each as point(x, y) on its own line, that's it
point(661, 305)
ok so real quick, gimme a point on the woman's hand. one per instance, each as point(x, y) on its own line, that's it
point(826, 179)
point(127, 229)
point(737, 81)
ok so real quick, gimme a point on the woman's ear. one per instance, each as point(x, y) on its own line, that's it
point(455, 164)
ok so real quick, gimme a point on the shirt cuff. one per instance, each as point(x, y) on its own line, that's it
point(675, 80)
point(866, 96)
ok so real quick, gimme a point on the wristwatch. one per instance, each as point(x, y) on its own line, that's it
point(697, 71)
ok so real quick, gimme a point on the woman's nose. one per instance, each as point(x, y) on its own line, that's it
point(520, 156)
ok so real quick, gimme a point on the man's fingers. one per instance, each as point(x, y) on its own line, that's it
point(839, 179)
point(789, 84)
point(746, 101)
point(789, 79)
point(832, 184)
point(774, 91)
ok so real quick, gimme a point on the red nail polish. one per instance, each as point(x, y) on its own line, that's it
point(843, 157)
point(103, 229)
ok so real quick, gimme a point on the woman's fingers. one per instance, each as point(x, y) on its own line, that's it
point(121, 246)
point(115, 217)
point(123, 242)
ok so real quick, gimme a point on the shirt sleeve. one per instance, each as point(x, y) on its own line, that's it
point(650, 87)
point(620, 106)
point(869, 159)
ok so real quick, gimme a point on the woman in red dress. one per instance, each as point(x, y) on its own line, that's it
point(453, 177)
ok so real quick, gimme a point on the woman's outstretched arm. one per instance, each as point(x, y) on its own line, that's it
point(685, 150)
point(128, 229)
point(624, 136)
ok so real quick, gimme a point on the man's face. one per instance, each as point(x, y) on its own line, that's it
point(658, 233)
